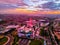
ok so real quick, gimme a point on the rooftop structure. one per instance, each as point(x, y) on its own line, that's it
point(57, 34)
point(56, 23)
point(31, 22)
point(25, 32)
point(43, 22)
point(8, 28)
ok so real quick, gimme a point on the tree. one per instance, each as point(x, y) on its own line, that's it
point(43, 32)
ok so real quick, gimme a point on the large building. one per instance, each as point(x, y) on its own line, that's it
point(25, 32)
point(43, 22)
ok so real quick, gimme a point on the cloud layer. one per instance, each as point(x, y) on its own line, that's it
point(40, 4)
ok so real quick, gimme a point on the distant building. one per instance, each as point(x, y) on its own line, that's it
point(43, 22)
point(8, 28)
point(56, 26)
point(56, 23)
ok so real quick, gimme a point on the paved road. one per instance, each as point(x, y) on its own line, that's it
point(10, 40)
point(42, 37)
point(49, 41)
point(52, 35)
point(23, 42)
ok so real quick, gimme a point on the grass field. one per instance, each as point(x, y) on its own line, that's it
point(3, 40)
point(37, 42)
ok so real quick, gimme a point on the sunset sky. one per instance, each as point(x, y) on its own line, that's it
point(29, 7)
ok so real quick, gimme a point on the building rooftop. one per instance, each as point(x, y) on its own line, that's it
point(57, 34)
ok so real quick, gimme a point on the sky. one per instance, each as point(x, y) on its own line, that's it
point(29, 6)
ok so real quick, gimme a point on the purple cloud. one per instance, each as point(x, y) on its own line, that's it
point(11, 3)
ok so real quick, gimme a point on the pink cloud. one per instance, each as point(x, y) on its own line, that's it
point(11, 1)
